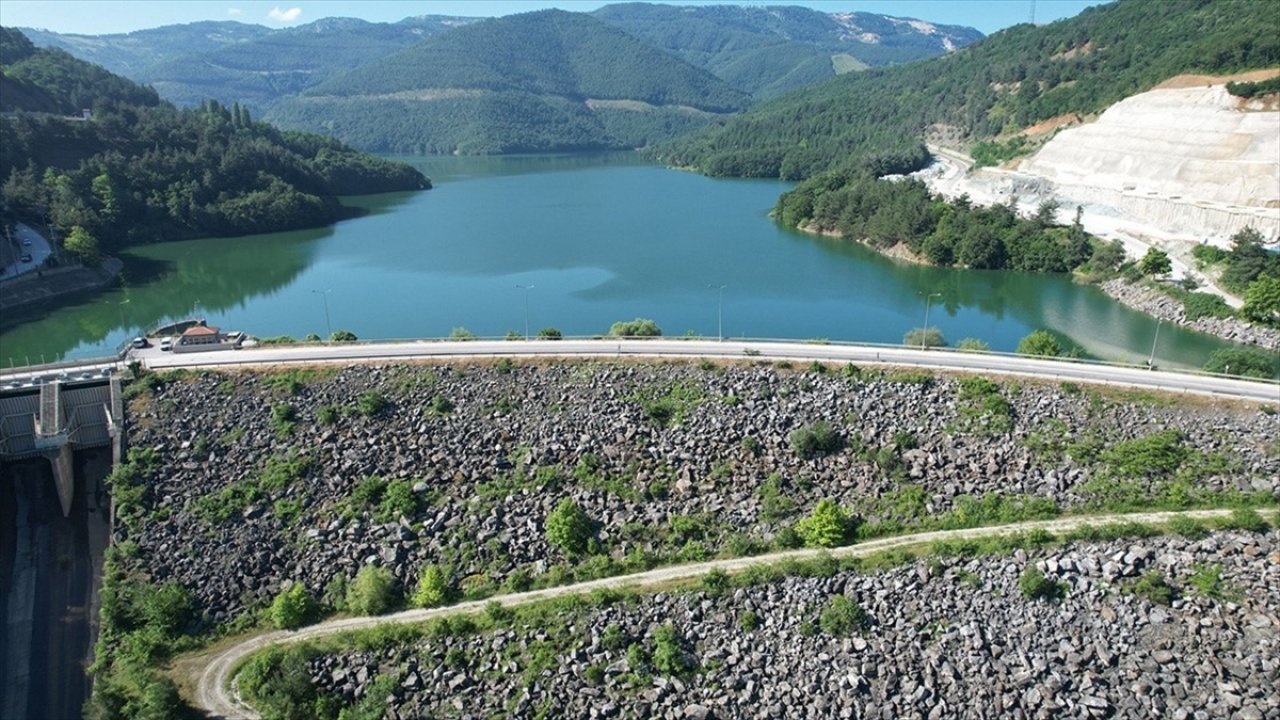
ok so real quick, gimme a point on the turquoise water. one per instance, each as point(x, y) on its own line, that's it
point(596, 239)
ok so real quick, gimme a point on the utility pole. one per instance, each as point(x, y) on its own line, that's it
point(526, 289)
point(720, 313)
point(327, 327)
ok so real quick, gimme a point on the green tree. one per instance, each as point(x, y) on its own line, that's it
point(669, 653)
point(549, 333)
point(570, 528)
point(1262, 300)
point(973, 345)
point(292, 607)
point(83, 246)
point(343, 336)
point(828, 525)
point(1244, 362)
point(640, 327)
point(433, 587)
point(1155, 262)
point(373, 592)
point(924, 337)
point(1040, 342)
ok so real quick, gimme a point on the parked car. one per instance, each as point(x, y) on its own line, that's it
point(26, 243)
point(140, 342)
point(26, 258)
point(166, 344)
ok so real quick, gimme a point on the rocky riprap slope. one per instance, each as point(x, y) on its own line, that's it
point(1160, 305)
point(946, 637)
point(486, 475)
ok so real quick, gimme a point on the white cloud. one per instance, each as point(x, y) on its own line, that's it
point(233, 11)
point(285, 16)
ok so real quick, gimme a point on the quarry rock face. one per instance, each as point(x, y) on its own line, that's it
point(1192, 160)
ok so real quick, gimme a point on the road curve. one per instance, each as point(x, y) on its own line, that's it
point(212, 671)
point(1017, 365)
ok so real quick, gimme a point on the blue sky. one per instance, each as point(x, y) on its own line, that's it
point(97, 17)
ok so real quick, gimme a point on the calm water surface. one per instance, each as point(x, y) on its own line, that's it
point(596, 239)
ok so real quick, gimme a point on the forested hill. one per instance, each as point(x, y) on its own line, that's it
point(141, 170)
point(545, 80)
point(768, 50)
point(1013, 79)
point(249, 64)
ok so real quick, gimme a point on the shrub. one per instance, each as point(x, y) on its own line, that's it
point(1187, 527)
point(371, 402)
point(819, 438)
point(842, 617)
point(433, 587)
point(326, 415)
point(1153, 587)
point(461, 333)
point(569, 528)
point(1197, 305)
point(373, 592)
point(343, 336)
point(749, 621)
point(549, 333)
point(716, 581)
point(1244, 362)
point(973, 345)
point(1035, 586)
point(1041, 343)
point(1156, 455)
point(1245, 519)
point(924, 337)
point(829, 525)
point(441, 405)
point(669, 654)
point(283, 419)
point(292, 607)
point(640, 327)
point(1207, 581)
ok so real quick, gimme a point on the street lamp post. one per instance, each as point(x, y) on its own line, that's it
point(328, 328)
point(719, 312)
point(1151, 361)
point(526, 289)
point(121, 304)
point(924, 336)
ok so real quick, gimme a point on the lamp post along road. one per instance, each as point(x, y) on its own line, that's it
point(122, 323)
point(328, 328)
point(719, 312)
point(924, 336)
point(526, 289)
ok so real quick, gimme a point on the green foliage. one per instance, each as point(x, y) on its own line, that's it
point(373, 592)
point(842, 617)
point(1262, 300)
point(1244, 362)
point(326, 415)
point(343, 336)
point(1154, 588)
point(716, 581)
point(371, 403)
point(1035, 586)
point(828, 525)
point(1187, 527)
point(1254, 89)
point(748, 621)
point(143, 171)
point(278, 682)
point(982, 408)
point(640, 327)
point(1041, 343)
point(924, 337)
point(1248, 261)
point(433, 587)
point(1013, 79)
point(1155, 262)
point(569, 528)
point(84, 246)
point(461, 333)
point(973, 345)
point(775, 505)
point(283, 419)
point(1246, 519)
point(670, 656)
point(549, 333)
point(819, 438)
point(292, 607)
point(1206, 580)
point(992, 152)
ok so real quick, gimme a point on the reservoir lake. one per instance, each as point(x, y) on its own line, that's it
point(580, 241)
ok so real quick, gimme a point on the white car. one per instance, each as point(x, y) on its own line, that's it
point(166, 344)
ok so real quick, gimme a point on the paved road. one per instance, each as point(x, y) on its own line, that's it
point(28, 242)
point(1208, 385)
point(212, 672)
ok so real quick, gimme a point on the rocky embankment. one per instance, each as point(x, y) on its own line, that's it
point(1157, 304)
point(473, 458)
point(944, 637)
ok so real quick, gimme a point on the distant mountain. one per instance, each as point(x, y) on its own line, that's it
point(766, 51)
point(140, 170)
point(547, 80)
point(1018, 77)
point(250, 64)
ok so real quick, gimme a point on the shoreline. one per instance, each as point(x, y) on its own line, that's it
point(897, 252)
point(1154, 303)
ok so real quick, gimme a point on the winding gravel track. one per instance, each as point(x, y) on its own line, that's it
point(212, 672)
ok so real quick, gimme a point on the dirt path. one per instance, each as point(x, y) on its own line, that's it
point(211, 673)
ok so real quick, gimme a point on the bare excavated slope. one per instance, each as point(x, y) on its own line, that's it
point(1184, 157)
